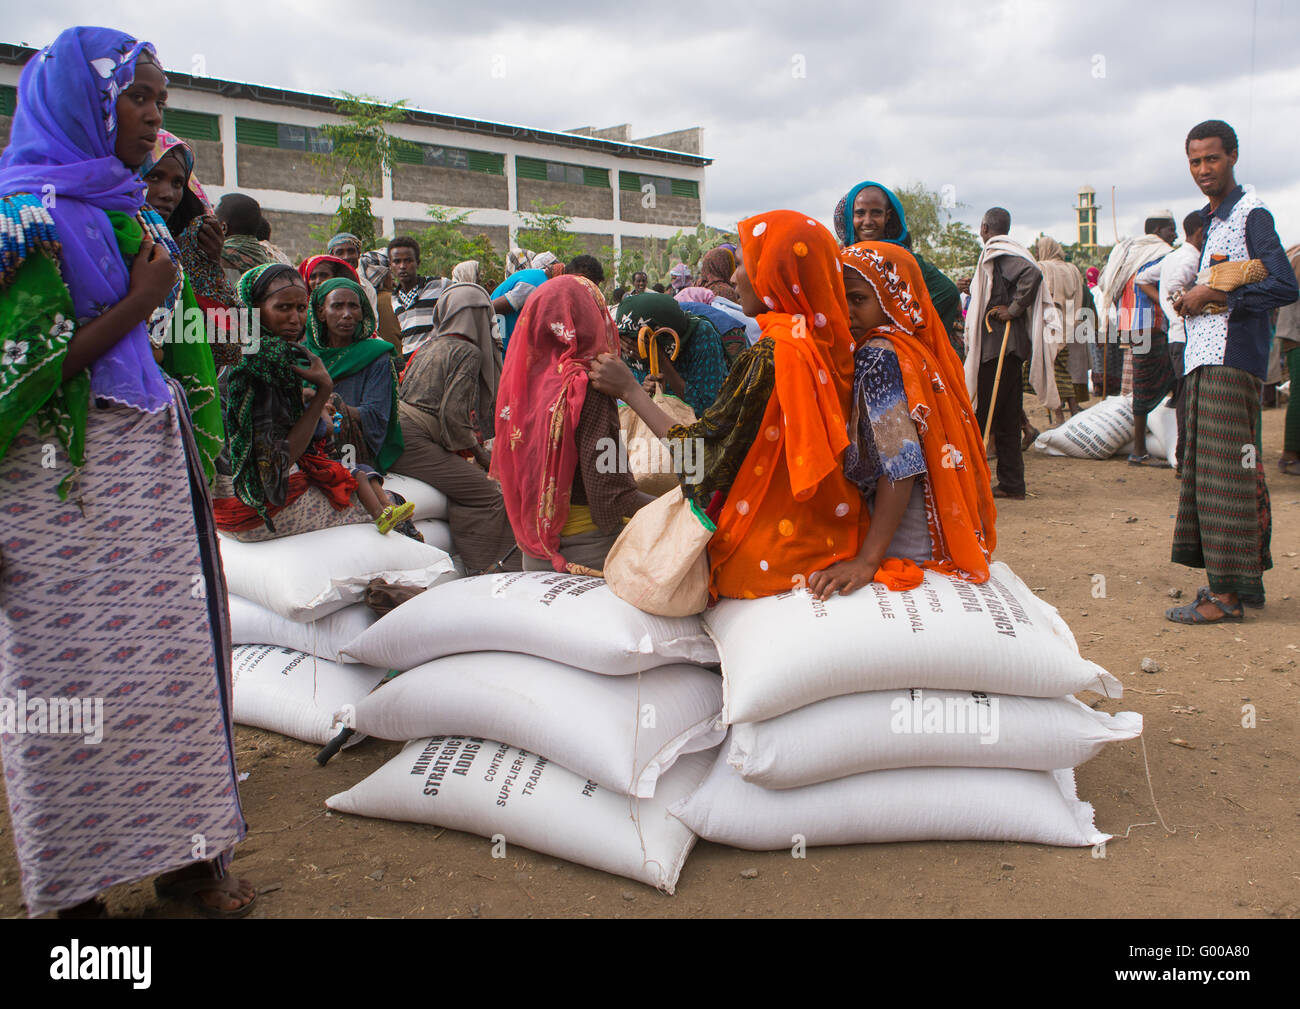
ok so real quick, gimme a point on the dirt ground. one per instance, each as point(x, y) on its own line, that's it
point(1227, 793)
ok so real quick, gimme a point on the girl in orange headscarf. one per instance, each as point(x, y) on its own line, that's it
point(917, 454)
point(771, 444)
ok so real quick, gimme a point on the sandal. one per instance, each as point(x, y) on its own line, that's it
point(1155, 462)
point(188, 889)
point(1028, 438)
point(1137, 460)
point(394, 515)
point(1190, 615)
point(1254, 602)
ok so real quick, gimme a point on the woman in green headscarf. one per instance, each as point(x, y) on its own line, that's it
point(701, 366)
point(340, 331)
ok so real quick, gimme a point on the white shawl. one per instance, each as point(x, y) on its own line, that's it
point(1042, 335)
point(1124, 263)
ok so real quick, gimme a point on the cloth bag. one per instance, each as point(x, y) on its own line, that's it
point(649, 460)
point(660, 561)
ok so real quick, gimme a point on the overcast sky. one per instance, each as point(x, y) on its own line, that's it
point(1016, 103)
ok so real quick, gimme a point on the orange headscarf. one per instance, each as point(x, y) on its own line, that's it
point(791, 511)
point(959, 498)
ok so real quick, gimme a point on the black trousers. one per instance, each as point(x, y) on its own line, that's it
point(1006, 419)
point(1179, 393)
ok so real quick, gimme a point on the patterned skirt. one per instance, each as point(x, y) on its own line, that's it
point(1153, 375)
point(113, 613)
point(1224, 521)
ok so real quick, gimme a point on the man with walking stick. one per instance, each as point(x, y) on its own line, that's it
point(1004, 329)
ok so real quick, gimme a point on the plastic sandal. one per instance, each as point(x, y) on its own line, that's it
point(188, 890)
point(1190, 615)
point(1137, 460)
point(1254, 602)
point(394, 515)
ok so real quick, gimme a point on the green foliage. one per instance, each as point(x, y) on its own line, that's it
point(660, 255)
point(956, 251)
point(546, 229)
point(362, 149)
point(443, 244)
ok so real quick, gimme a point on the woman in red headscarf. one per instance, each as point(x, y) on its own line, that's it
point(555, 434)
point(772, 442)
point(916, 452)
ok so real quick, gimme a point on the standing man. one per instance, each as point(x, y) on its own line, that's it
point(1171, 276)
point(1007, 287)
point(1224, 521)
point(1153, 374)
point(413, 295)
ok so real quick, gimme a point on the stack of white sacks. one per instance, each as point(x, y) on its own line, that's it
point(941, 713)
point(1106, 428)
point(544, 711)
point(297, 600)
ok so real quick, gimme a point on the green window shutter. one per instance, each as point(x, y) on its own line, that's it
point(257, 132)
point(8, 100)
point(192, 125)
point(530, 168)
point(629, 182)
point(484, 161)
point(686, 187)
point(408, 153)
point(595, 177)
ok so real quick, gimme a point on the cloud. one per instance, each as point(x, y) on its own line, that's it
point(1016, 103)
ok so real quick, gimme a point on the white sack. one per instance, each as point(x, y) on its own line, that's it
point(885, 729)
point(620, 731)
point(430, 503)
point(309, 576)
point(1162, 434)
point(910, 804)
point(1095, 433)
point(782, 652)
point(573, 619)
point(490, 789)
point(436, 532)
point(294, 693)
point(251, 624)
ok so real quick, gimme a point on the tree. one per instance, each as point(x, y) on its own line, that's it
point(444, 244)
point(957, 250)
point(361, 149)
point(546, 229)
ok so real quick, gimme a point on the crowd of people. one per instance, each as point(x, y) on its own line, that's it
point(844, 413)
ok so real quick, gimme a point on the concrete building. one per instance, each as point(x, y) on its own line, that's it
point(258, 140)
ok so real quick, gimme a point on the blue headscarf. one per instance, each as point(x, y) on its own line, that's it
point(844, 215)
point(61, 150)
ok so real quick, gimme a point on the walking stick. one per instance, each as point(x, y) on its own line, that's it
point(997, 377)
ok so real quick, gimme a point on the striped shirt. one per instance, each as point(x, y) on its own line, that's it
point(414, 311)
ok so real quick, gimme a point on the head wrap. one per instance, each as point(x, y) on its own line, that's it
point(844, 214)
point(62, 143)
point(343, 238)
point(1092, 276)
point(702, 295)
point(518, 259)
point(561, 329)
point(194, 201)
point(680, 276)
point(791, 511)
point(311, 262)
point(465, 273)
point(717, 265)
point(543, 260)
point(1062, 280)
point(463, 310)
point(364, 350)
point(959, 497)
point(374, 266)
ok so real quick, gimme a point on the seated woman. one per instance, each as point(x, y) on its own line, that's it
point(697, 375)
point(445, 408)
point(556, 434)
point(915, 451)
point(772, 442)
point(276, 478)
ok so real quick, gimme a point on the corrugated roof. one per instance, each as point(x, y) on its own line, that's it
point(19, 55)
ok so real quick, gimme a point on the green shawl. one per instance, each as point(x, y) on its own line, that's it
point(271, 367)
point(36, 325)
point(187, 355)
point(362, 352)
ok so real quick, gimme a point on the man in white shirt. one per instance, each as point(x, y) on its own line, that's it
point(1169, 276)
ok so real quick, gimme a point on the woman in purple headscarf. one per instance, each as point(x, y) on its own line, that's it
point(113, 607)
